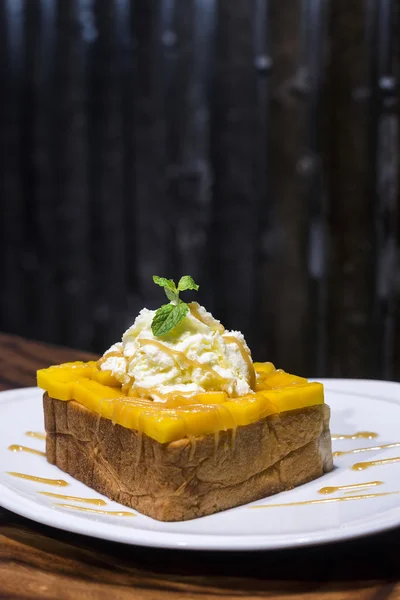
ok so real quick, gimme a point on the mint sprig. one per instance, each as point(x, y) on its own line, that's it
point(170, 315)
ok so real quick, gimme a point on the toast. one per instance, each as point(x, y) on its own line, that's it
point(190, 477)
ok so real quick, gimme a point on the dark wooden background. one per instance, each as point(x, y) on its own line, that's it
point(251, 144)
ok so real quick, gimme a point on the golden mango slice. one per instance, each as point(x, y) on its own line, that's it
point(163, 427)
point(264, 368)
point(211, 397)
point(246, 409)
point(176, 400)
point(165, 424)
point(91, 393)
point(57, 382)
point(296, 396)
point(106, 378)
point(57, 389)
point(281, 379)
point(155, 421)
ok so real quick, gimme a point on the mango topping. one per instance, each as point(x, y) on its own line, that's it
point(180, 415)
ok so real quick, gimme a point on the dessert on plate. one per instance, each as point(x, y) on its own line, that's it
point(177, 421)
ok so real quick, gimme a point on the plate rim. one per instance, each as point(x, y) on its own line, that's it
point(44, 515)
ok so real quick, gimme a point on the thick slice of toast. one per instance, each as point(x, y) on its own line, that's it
point(185, 479)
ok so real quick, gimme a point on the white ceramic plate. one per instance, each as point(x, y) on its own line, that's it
point(357, 405)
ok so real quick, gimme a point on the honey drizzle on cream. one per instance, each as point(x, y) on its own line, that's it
point(361, 466)
point(146, 393)
point(175, 354)
point(36, 434)
point(56, 482)
point(95, 501)
point(94, 510)
point(18, 448)
point(213, 325)
point(104, 358)
point(367, 435)
point(347, 488)
point(231, 339)
point(327, 500)
point(366, 449)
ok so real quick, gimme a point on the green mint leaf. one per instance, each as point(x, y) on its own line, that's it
point(168, 317)
point(171, 295)
point(165, 283)
point(187, 283)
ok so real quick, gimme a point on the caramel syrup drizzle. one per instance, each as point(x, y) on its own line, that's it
point(327, 500)
point(175, 354)
point(193, 307)
point(216, 444)
point(367, 435)
point(361, 466)
point(95, 501)
point(232, 339)
point(213, 325)
point(182, 487)
point(104, 358)
point(366, 449)
point(143, 393)
point(348, 488)
point(36, 434)
point(112, 513)
point(193, 443)
point(18, 448)
point(56, 482)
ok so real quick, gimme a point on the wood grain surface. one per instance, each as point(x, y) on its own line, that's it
point(41, 562)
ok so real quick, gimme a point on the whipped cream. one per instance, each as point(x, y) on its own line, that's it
point(198, 355)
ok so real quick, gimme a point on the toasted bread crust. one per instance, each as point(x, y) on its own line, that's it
point(185, 479)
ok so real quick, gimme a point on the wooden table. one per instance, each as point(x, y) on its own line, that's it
point(41, 562)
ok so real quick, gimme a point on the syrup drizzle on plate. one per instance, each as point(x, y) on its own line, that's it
point(112, 513)
point(327, 500)
point(367, 435)
point(36, 434)
point(361, 466)
point(18, 448)
point(347, 488)
point(56, 482)
point(366, 449)
point(95, 501)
